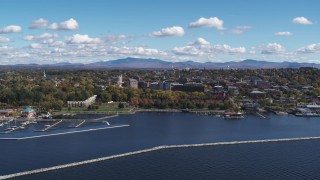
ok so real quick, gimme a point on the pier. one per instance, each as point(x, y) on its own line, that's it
point(106, 123)
point(80, 124)
point(212, 112)
point(106, 117)
point(263, 117)
point(49, 127)
point(72, 132)
point(147, 151)
point(75, 125)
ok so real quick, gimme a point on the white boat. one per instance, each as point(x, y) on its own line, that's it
point(308, 114)
point(233, 115)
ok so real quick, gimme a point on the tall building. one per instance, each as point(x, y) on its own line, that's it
point(119, 82)
point(132, 83)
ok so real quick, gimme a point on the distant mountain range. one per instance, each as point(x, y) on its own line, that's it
point(139, 63)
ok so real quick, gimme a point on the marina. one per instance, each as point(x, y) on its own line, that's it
point(17, 129)
point(72, 132)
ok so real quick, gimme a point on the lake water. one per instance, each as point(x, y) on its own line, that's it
point(151, 129)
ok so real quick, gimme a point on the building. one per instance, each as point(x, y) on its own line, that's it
point(132, 83)
point(154, 85)
point(263, 84)
point(84, 103)
point(143, 84)
point(119, 81)
point(28, 113)
point(218, 89)
point(6, 112)
point(233, 90)
point(257, 94)
point(188, 88)
point(167, 85)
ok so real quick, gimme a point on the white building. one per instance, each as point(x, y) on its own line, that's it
point(84, 103)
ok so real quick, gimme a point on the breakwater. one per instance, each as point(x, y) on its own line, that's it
point(150, 150)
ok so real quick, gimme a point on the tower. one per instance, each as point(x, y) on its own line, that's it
point(119, 83)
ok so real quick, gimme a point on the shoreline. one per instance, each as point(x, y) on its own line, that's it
point(74, 164)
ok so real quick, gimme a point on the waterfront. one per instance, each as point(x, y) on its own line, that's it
point(147, 130)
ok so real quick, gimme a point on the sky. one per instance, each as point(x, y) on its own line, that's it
point(85, 31)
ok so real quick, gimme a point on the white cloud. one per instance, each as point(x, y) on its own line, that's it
point(283, 33)
point(11, 29)
point(188, 50)
point(301, 20)
point(53, 26)
point(199, 42)
point(35, 46)
point(228, 49)
point(169, 31)
point(240, 29)
point(69, 25)
point(48, 36)
point(6, 48)
point(40, 37)
point(39, 23)
point(57, 44)
point(313, 48)
point(4, 39)
point(207, 22)
point(272, 48)
point(82, 39)
point(135, 51)
point(202, 47)
point(114, 39)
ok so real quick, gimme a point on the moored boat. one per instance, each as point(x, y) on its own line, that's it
point(232, 115)
point(308, 114)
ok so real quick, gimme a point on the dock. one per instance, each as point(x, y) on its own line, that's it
point(49, 127)
point(210, 112)
point(80, 123)
point(261, 115)
point(106, 123)
point(106, 117)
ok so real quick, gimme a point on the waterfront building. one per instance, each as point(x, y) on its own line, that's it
point(28, 113)
point(84, 103)
point(6, 112)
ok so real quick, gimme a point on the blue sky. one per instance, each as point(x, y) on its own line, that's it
point(51, 31)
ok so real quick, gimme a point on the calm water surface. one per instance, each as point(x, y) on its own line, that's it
point(285, 160)
point(148, 130)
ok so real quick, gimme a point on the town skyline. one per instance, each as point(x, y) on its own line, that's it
point(205, 31)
